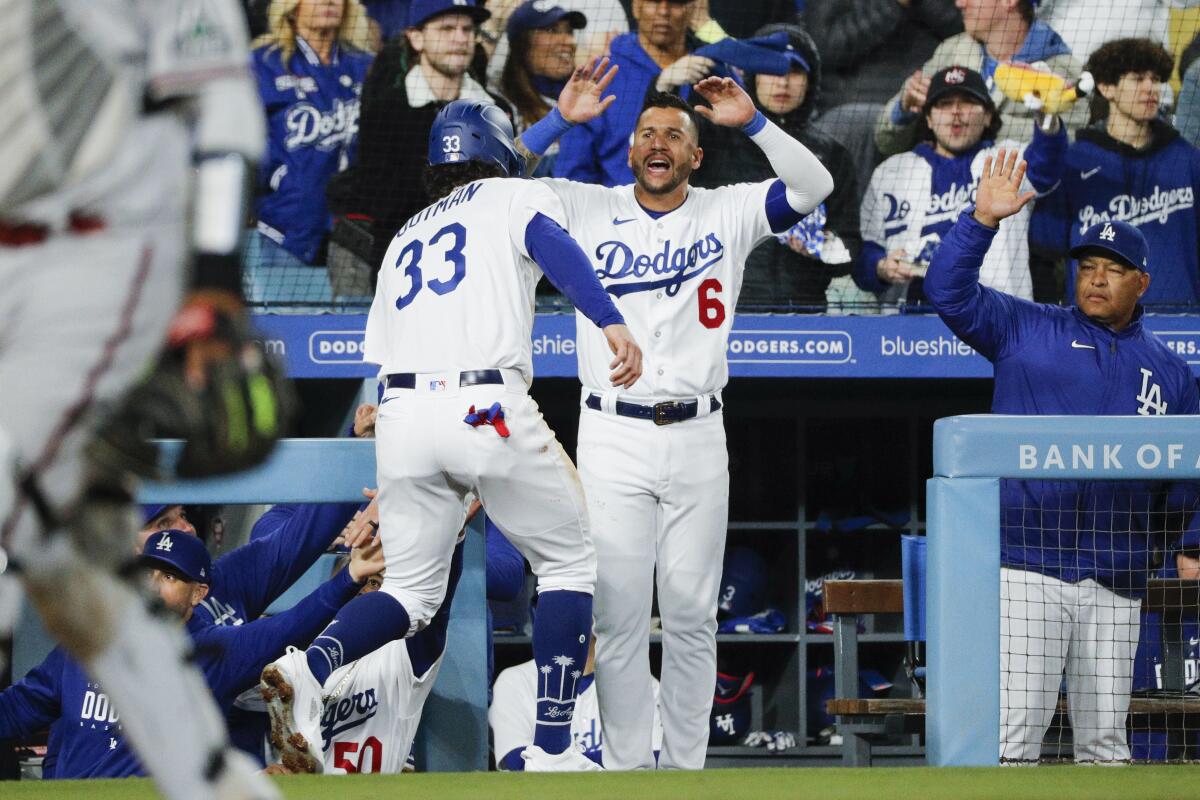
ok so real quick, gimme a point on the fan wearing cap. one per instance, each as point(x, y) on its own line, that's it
point(1075, 556)
point(914, 197)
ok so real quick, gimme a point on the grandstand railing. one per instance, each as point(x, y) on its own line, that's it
point(453, 734)
point(970, 456)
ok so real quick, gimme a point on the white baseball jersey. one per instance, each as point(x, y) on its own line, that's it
point(448, 298)
point(372, 710)
point(900, 211)
point(512, 717)
point(675, 279)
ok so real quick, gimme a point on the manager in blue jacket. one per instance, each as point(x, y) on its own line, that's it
point(1075, 555)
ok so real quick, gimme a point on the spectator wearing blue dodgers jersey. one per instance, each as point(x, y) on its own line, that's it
point(654, 57)
point(1075, 555)
point(1132, 166)
point(86, 739)
point(310, 67)
point(672, 255)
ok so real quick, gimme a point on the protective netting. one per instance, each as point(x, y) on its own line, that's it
point(1099, 640)
point(901, 99)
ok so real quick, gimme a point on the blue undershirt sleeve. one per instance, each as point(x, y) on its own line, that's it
point(568, 268)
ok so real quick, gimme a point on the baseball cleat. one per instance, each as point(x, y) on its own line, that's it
point(569, 760)
point(293, 699)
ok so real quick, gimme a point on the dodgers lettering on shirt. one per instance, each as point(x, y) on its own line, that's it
point(675, 279)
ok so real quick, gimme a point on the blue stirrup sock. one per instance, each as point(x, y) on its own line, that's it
point(364, 625)
point(560, 646)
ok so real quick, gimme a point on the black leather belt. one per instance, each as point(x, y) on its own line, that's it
point(664, 413)
point(474, 377)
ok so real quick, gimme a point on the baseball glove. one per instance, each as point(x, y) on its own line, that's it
point(214, 388)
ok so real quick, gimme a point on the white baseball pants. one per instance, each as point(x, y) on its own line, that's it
point(1046, 626)
point(428, 460)
point(657, 497)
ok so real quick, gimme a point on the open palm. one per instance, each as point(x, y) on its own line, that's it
point(999, 195)
point(581, 100)
point(731, 105)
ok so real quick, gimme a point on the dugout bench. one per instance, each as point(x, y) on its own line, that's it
point(861, 721)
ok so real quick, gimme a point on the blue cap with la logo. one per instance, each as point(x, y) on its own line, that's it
point(179, 552)
point(1117, 239)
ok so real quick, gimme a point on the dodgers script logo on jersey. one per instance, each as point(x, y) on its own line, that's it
point(1138, 210)
point(347, 714)
point(679, 264)
point(308, 126)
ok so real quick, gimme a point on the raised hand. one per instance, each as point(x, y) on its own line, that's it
point(685, 70)
point(581, 99)
point(731, 105)
point(999, 194)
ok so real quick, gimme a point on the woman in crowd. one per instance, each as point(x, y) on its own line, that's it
point(541, 58)
point(310, 66)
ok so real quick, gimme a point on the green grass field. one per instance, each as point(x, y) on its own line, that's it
point(1051, 783)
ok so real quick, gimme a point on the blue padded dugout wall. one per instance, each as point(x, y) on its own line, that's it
point(453, 734)
point(970, 455)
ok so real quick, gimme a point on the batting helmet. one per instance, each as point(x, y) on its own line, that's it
point(466, 130)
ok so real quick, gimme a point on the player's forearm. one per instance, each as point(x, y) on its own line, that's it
point(1046, 159)
point(568, 268)
point(538, 137)
point(807, 180)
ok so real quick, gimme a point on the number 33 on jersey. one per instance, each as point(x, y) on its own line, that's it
point(675, 278)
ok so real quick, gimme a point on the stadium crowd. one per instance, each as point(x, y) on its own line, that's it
point(903, 101)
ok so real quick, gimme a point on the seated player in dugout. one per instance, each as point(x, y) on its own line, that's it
point(86, 738)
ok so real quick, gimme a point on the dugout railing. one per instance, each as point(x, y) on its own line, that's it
point(971, 454)
point(453, 736)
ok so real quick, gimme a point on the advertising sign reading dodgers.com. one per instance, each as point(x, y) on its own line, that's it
point(760, 345)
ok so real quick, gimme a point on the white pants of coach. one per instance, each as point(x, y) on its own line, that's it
point(657, 496)
point(1046, 626)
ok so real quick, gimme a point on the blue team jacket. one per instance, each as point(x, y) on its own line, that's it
point(597, 151)
point(1153, 188)
point(312, 130)
point(1054, 360)
point(85, 735)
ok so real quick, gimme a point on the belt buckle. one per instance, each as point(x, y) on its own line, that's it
point(661, 410)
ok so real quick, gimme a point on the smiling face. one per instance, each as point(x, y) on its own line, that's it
point(957, 122)
point(552, 51)
point(1108, 290)
point(781, 94)
point(665, 150)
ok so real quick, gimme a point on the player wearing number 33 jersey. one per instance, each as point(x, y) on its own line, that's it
point(652, 457)
point(451, 329)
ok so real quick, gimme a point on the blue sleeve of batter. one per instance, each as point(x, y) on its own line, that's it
point(35, 701)
point(426, 647)
point(284, 543)
point(780, 214)
point(505, 565)
point(232, 657)
point(568, 268)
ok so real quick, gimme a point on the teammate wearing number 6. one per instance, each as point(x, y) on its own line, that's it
point(652, 456)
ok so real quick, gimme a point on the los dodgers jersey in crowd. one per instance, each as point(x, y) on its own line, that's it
point(511, 715)
point(312, 129)
point(1055, 360)
point(1153, 189)
point(440, 270)
point(675, 278)
point(372, 710)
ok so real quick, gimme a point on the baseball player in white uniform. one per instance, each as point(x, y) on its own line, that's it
point(451, 328)
point(653, 458)
point(511, 714)
point(110, 107)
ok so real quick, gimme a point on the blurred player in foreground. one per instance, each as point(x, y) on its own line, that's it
point(100, 162)
point(1075, 555)
point(451, 329)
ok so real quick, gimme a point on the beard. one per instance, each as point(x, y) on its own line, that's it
point(679, 174)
